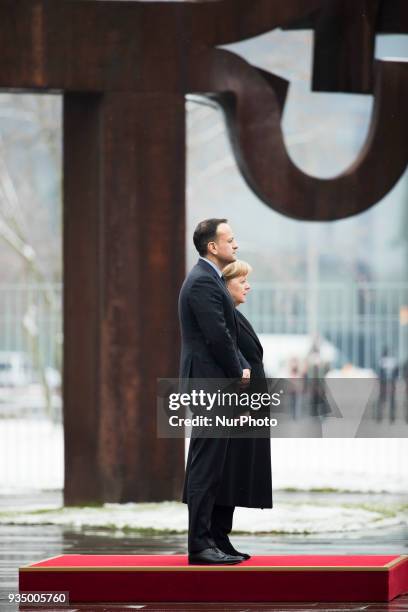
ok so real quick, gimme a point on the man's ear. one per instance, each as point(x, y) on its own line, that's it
point(211, 248)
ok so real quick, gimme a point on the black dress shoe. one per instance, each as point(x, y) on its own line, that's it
point(245, 555)
point(213, 555)
point(228, 549)
point(236, 553)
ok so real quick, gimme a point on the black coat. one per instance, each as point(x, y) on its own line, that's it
point(209, 350)
point(209, 327)
point(247, 474)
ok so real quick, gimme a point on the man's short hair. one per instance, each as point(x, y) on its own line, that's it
point(205, 232)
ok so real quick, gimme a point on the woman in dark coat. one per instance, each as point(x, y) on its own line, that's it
point(247, 475)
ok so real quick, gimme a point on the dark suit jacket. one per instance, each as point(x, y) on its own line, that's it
point(209, 329)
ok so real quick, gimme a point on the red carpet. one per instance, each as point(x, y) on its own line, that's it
point(159, 578)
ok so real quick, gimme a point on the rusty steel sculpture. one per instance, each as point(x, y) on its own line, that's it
point(124, 68)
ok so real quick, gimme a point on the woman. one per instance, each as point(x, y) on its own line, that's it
point(247, 477)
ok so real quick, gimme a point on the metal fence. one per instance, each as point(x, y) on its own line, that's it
point(31, 432)
point(31, 322)
point(360, 320)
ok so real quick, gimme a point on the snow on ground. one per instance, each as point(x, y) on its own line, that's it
point(172, 516)
point(32, 457)
point(310, 480)
point(31, 454)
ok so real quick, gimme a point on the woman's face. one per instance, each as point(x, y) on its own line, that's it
point(238, 288)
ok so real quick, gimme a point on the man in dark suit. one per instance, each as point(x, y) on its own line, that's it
point(209, 331)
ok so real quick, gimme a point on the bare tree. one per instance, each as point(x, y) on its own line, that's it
point(30, 211)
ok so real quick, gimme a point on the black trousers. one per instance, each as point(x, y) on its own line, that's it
point(221, 525)
point(208, 523)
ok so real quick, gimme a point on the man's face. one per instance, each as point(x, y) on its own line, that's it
point(224, 247)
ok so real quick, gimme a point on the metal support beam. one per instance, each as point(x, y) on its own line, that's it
point(124, 228)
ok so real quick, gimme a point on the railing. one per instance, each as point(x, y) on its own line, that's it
point(31, 322)
point(360, 320)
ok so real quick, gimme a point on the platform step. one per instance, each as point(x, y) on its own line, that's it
point(160, 578)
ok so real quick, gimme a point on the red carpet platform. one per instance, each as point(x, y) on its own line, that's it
point(159, 578)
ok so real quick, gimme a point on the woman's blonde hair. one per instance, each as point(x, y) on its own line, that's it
point(236, 268)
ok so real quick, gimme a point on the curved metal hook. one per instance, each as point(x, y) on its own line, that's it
point(253, 100)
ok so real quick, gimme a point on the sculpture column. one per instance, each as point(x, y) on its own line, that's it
point(124, 262)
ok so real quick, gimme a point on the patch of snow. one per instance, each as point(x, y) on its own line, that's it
point(32, 458)
point(293, 518)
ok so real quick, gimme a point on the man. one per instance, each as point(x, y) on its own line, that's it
point(209, 350)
